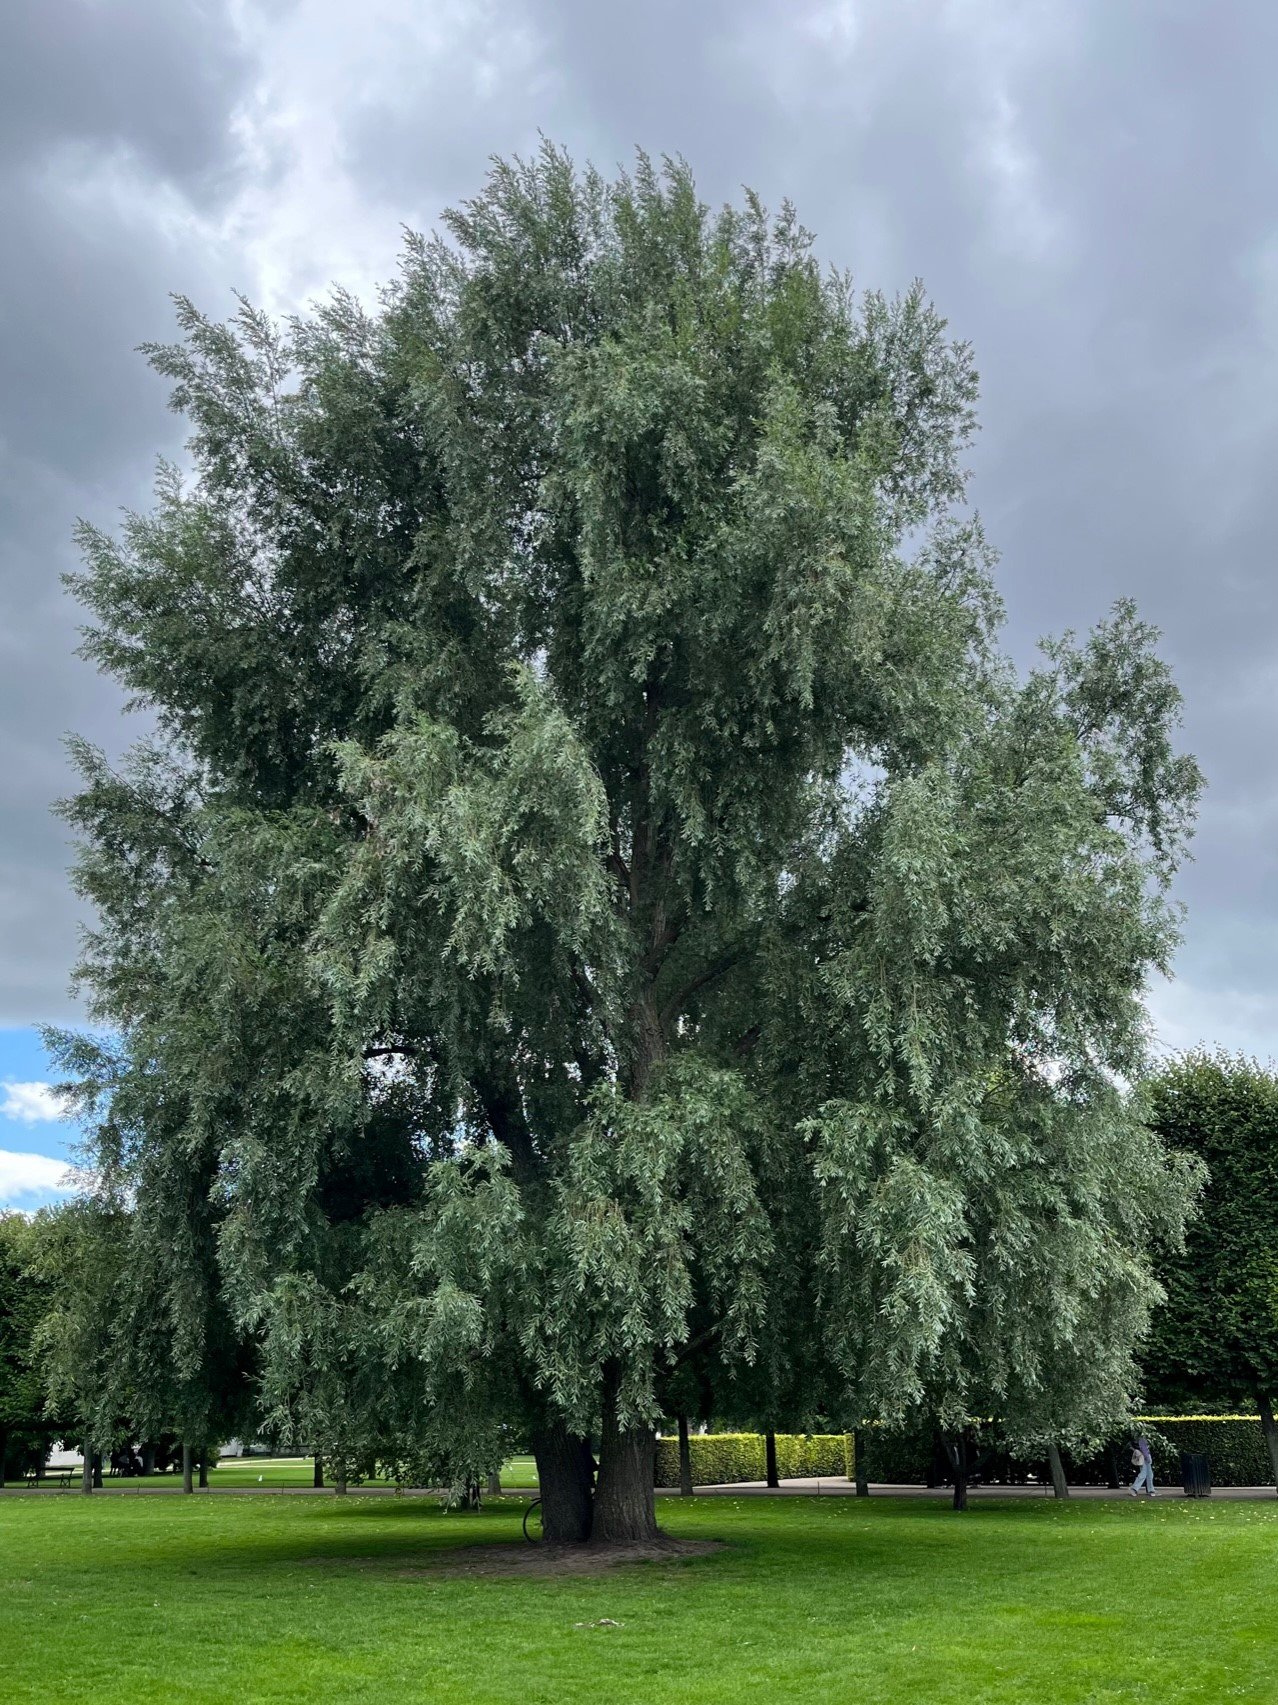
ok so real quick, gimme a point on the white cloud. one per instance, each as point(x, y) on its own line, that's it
point(309, 214)
point(31, 1103)
point(28, 1179)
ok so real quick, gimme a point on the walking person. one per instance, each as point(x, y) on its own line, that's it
point(1143, 1457)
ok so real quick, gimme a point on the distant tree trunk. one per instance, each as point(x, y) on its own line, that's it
point(470, 1496)
point(86, 1473)
point(4, 1445)
point(1265, 1405)
point(858, 1463)
point(685, 1460)
point(317, 1479)
point(188, 1465)
point(493, 1489)
point(1060, 1486)
point(1112, 1479)
point(148, 1458)
point(97, 1471)
point(770, 1460)
point(340, 1477)
point(565, 1480)
point(204, 1468)
point(956, 1455)
point(625, 1504)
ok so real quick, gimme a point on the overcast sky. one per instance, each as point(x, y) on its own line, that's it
point(1088, 188)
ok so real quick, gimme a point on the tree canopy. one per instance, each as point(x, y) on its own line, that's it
point(23, 1302)
point(1215, 1339)
point(597, 893)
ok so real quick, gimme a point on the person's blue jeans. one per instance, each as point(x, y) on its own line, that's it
point(1145, 1479)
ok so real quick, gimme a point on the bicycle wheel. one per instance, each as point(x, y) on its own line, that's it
point(532, 1522)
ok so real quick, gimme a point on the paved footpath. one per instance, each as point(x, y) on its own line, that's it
point(836, 1486)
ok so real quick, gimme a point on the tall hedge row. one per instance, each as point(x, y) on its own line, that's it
point(720, 1459)
point(1234, 1446)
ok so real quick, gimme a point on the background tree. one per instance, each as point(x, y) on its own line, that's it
point(593, 854)
point(24, 1298)
point(1215, 1339)
point(139, 1339)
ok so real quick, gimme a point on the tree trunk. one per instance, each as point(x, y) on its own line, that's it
point(86, 1473)
point(565, 1480)
point(188, 1465)
point(1265, 1405)
point(1060, 1487)
point(340, 1477)
point(148, 1459)
point(317, 1479)
point(685, 1460)
point(956, 1456)
point(97, 1471)
point(4, 1445)
point(1112, 1479)
point(204, 1468)
point(770, 1460)
point(858, 1463)
point(494, 1484)
point(625, 1505)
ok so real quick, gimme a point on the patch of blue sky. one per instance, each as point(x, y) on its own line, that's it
point(36, 1137)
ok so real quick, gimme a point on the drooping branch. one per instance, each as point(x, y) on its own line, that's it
point(718, 967)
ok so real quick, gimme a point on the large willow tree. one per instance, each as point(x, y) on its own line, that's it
point(597, 902)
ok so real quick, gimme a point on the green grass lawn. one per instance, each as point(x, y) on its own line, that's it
point(268, 1471)
point(290, 1599)
point(519, 1472)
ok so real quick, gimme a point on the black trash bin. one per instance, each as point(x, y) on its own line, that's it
point(1195, 1475)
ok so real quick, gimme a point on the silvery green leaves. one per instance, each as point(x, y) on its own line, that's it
point(996, 1260)
point(655, 1207)
point(477, 844)
point(601, 914)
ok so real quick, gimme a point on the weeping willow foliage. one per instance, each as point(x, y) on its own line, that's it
point(596, 893)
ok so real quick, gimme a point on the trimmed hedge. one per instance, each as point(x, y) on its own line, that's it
point(720, 1459)
point(1234, 1446)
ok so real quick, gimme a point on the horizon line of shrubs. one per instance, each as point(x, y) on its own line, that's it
point(1233, 1444)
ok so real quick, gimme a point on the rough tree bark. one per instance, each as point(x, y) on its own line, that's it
point(565, 1480)
point(86, 1473)
point(685, 1460)
point(625, 1502)
point(1060, 1486)
point(340, 1477)
point(493, 1488)
point(204, 1468)
point(4, 1445)
point(770, 1460)
point(1265, 1406)
point(858, 1463)
point(97, 1471)
point(148, 1458)
point(188, 1468)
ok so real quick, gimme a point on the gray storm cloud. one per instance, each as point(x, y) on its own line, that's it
point(1088, 191)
